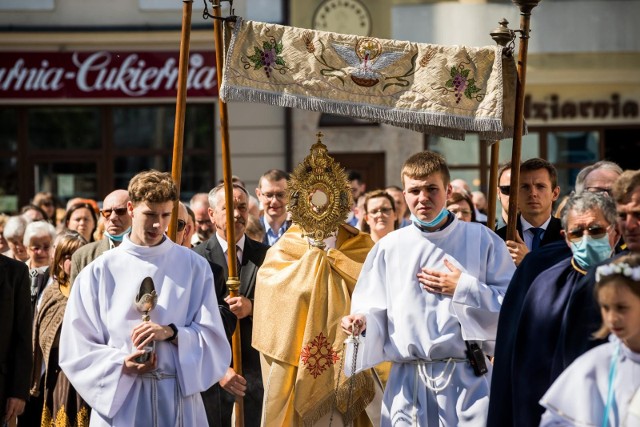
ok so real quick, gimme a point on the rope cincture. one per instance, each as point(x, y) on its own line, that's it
point(154, 377)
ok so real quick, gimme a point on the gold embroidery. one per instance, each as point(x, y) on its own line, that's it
point(83, 417)
point(46, 417)
point(62, 420)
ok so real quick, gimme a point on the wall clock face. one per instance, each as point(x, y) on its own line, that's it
point(343, 16)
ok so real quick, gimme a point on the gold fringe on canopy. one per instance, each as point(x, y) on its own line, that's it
point(442, 90)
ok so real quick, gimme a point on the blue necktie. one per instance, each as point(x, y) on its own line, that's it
point(537, 237)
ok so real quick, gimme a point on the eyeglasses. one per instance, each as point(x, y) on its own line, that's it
point(595, 231)
point(107, 212)
point(39, 248)
point(460, 211)
point(606, 191)
point(505, 189)
point(383, 211)
point(181, 224)
point(47, 203)
point(280, 195)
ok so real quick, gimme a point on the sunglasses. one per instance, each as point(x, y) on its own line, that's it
point(181, 224)
point(595, 231)
point(505, 189)
point(107, 212)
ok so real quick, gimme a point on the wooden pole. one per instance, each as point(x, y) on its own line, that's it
point(493, 186)
point(181, 106)
point(233, 282)
point(525, 18)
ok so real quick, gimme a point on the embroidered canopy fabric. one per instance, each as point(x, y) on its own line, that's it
point(442, 90)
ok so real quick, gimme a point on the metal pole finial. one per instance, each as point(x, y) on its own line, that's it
point(525, 6)
point(502, 35)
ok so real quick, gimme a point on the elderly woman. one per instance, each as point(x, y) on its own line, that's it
point(461, 205)
point(61, 402)
point(38, 239)
point(380, 216)
point(14, 235)
point(82, 218)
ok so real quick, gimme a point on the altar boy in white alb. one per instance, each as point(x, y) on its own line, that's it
point(103, 334)
point(428, 300)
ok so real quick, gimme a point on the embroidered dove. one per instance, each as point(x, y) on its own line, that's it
point(367, 59)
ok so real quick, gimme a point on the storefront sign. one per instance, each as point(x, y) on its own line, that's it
point(553, 108)
point(103, 74)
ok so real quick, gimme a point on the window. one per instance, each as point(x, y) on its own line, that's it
point(20, 5)
point(64, 128)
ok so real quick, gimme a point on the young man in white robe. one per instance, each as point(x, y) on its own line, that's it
point(424, 290)
point(103, 334)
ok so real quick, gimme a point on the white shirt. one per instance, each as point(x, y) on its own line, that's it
point(528, 234)
point(225, 246)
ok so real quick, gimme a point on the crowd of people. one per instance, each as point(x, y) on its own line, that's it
point(449, 322)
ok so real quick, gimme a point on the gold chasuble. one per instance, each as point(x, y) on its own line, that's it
point(302, 292)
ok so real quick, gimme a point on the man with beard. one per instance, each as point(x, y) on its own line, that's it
point(250, 255)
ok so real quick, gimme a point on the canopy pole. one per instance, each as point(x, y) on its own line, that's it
point(181, 106)
point(525, 18)
point(502, 35)
point(233, 282)
point(493, 186)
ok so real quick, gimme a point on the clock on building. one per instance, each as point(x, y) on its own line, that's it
point(343, 16)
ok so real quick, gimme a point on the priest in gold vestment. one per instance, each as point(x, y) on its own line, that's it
point(302, 291)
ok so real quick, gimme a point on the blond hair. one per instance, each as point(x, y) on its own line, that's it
point(423, 164)
point(152, 187)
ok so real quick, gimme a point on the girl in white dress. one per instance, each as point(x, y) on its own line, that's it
point(602, 387)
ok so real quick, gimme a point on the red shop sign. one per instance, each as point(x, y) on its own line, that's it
point(103, 74)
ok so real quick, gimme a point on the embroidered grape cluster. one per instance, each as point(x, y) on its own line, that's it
point(268, 58)
point(460, 83)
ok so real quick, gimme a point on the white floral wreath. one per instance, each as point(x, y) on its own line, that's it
point(622, 268)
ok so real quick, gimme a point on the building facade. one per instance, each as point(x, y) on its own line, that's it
point(87, 92)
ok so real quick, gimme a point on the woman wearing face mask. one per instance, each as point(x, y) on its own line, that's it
point(534, 357)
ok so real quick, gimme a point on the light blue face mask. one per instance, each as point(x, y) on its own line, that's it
point(118, 237)
point(442, 215)
point(589, 251)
